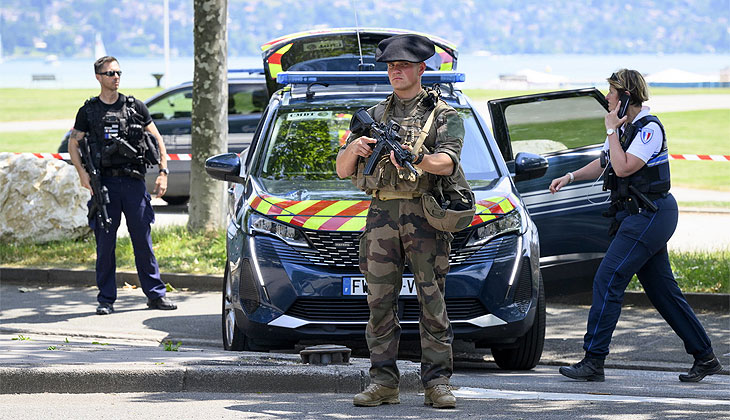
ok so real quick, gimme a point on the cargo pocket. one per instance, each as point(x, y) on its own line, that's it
point(363, 252)
point(443, 249)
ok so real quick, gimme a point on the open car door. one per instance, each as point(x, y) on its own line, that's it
point(340, 50)
point(567, 128)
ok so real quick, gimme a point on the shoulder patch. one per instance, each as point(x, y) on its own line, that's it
point(646, 135)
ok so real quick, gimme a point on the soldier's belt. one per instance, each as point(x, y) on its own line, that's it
point(396, 195)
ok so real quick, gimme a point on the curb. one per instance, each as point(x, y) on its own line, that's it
point(709, 210)
point(714, 302)
point(52, 277)
point(290, 379)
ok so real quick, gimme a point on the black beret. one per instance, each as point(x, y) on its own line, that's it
point(405, 47)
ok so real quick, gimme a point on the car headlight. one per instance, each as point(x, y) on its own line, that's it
point(289, 234)
point(513, 222)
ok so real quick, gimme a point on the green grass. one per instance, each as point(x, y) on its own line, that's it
point(177, 251)
point(704, 132)
point(700, 272)
point(31, 141)
point(487, 94)
point(705, 204)
point(51, 104)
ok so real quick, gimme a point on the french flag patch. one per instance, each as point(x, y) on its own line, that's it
point(646, 135)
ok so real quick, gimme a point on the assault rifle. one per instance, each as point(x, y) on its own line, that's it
point(387, 139)
point(100, 194)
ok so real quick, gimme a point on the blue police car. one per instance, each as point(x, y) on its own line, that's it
point(292, 239)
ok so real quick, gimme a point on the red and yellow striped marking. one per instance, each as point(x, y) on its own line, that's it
point(349, 215)
point(447, 61)
point(330, 215)
point(493, 207)
point(274, 60)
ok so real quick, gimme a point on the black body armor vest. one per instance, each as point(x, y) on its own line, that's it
point(652, 180)
point(117, 139)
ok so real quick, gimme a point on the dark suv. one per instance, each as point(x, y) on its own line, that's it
point(292, 241)
point(171, 110)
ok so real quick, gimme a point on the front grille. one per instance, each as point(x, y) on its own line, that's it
point(356, 310)
point(340, 250)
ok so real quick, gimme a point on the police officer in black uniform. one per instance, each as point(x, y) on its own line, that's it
point(106, 120)
point(636, 163)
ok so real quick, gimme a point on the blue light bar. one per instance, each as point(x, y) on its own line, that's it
point(361, 77)
point(249, 71)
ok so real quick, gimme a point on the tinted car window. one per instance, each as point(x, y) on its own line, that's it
point(178, 104)
point(303, 145)
point(246, 99)
point(553, 125)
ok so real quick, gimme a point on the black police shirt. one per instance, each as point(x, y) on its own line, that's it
point(82, 122)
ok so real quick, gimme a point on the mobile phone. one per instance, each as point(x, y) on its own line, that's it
point(624, 98)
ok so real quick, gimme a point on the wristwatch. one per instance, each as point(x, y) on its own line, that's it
point(164, 171)
point(610, 131)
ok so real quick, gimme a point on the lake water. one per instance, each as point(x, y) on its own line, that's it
point(481, 71)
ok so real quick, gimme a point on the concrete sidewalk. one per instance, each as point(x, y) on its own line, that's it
point(72, 350)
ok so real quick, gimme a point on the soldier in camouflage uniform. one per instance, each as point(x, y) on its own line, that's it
point(397, 231)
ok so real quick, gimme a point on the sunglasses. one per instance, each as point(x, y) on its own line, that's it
point(111, 73)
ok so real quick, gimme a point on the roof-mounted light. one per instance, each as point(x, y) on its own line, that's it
point(249, 71)
point(361, 77)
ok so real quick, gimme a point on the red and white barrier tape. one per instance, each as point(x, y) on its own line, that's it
point(716, 158)
point(177, 156)
point(66, 156)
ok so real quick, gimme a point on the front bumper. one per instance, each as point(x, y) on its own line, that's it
point(491, 296)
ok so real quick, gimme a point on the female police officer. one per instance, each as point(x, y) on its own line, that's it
point(637, 166)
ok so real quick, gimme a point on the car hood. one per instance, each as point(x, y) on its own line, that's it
point(349, 215)
point(339, 50)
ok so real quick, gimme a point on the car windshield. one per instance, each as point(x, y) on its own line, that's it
point(303, 144)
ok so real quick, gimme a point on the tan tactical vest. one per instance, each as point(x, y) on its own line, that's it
point(387, 178)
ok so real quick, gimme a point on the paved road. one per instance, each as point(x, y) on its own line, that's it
point(73, 350)
point(641, 338)
point(472, 404)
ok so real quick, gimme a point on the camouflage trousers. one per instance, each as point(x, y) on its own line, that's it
point(397, 232)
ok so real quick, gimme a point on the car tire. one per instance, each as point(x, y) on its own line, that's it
point(233, 338)
point(176, 200)
point(529, 347)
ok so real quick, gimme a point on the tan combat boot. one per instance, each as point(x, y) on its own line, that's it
point(440, 396)
point(376, 394)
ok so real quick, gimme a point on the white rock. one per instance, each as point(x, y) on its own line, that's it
point(41, 199)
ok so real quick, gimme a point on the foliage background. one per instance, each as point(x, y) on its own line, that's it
point(501, 27)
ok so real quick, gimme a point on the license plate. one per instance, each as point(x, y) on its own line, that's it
point(357, 286)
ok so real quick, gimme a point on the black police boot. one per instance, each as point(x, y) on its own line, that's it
point(701, 368)
point(588, 369)
point(163, 303)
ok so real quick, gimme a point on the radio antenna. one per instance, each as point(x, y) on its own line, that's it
point(359, 45)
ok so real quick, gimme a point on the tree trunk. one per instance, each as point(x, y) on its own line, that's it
point(210, 113)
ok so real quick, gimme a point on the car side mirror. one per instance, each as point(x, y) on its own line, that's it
point(225, 167)
point(529, 166)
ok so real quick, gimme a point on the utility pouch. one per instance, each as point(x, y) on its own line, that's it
point(632, 205)
point(152, 149)
point(450, 207)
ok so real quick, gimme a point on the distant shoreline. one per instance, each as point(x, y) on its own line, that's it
point(482, 71)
